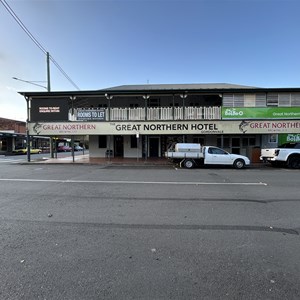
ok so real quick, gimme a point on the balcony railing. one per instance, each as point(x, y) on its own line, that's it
point(165, 113)
point(162, 113)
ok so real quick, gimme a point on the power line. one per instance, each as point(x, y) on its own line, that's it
point(63, 72)
point(12, 13)
point(36, 42)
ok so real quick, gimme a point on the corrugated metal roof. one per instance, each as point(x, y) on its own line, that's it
point(160, 89)
point(191, 86)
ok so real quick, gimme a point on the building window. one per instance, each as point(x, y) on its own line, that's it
point(272, 99)
point(226, 142)
point(273, 138)
point(133, 141)
point(260, 100)
point(102, 141)
point(284, 100)
point(295, 99)
point(249, 141)
point(198, 140)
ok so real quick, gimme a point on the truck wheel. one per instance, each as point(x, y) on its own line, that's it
point(239, 164)
point(294, 162)
point(189, 163)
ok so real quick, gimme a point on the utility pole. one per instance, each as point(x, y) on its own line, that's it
point(48, 72)
point(49, 90)
point(28, 109)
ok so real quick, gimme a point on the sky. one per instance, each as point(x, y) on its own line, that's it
point(105, 43)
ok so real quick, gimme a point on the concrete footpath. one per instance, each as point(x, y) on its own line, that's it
point(86, 159)
point(115, 161)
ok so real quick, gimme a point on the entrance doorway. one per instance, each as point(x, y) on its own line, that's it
point(119, 146)
point(235, 145)
point(153, 146)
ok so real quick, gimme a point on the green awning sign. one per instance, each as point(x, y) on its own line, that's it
point(231, 113)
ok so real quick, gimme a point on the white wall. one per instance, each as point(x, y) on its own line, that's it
point(94, 149)
point(132, 152)
point(129, 152)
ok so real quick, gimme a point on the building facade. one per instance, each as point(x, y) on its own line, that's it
point(143, 121)
point(13, 136)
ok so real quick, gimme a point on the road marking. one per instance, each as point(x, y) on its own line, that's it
point(134, 182)
point(11, 161)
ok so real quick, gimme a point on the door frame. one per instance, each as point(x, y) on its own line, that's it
point(151, 138)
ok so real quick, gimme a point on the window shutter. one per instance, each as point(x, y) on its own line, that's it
point(295, 99)
point(238, 100)
point(284, 100)
point(249, 100)
point(228, 100)
point(261, 100)
point(272, 99)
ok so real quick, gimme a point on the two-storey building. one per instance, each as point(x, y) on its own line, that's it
point(144, 120)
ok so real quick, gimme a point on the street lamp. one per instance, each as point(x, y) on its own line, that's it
point(31, 82)
point(146, 97)
point(34, 82)
point(183, 96)
point(28, 113)
point(28, 105)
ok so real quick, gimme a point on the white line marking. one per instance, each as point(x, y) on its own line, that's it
point(11, 161)
point(134, 182)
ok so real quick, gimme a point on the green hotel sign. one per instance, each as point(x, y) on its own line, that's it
point(288, 138)
point(232, 113)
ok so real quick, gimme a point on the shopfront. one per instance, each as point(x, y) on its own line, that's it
point(144, 121)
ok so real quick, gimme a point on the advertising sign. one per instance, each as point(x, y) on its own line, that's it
point(289, 138)
point(231, 113)
point(49, 110)
point(165, 128)
point(90, 114)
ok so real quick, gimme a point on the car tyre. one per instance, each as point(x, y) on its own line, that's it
point(294, 162)
point(189, 164)
point(239, 164)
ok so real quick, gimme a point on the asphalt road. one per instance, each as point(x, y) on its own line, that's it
point(95, 232)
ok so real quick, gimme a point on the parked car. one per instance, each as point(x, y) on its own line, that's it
point(189, 155)
point(78, 148)
point(64, 148)
point(287, 154)
point(24, 151)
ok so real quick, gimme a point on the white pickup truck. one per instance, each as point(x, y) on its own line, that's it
point(287, 154)
point(191, 155)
